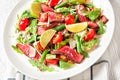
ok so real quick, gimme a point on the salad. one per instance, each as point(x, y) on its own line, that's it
point(59, 32)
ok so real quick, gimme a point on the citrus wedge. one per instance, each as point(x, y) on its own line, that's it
point(46, 37)
point(78, 27)
point(35, 9)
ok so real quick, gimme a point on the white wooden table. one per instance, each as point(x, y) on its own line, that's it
point(112, 54)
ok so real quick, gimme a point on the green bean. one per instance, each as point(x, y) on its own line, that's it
point(60, 27)
point(63, 9)
point(76, 18)
point(77, 38)
point(61, 4)
point(79, 46)
point(43, 55)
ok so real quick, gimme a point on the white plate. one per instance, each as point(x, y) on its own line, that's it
point(21, 63)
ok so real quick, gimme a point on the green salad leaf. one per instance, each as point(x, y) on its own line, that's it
point(25, 14)
point(101, 29)
point(93, 15)
point(63, 64)
point(91, 43)
point(32, 28)
point(17, 50)
point(41, 66)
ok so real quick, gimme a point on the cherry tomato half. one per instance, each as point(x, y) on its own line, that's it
point(23, 24)
point(40, 47)
point(52, 61)
point(57, 38)
point(53, 3)
point(90, 35)
point(69, 19)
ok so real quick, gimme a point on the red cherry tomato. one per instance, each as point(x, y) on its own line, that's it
point(52, 61)
point(23, 24)
point(69, 19)
point(53, 3)
point(90, 35)
point(40, 47)
point(57, 38)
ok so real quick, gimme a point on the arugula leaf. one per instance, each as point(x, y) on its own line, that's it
point(31, 39)
point(25, 14)
point(101, 29)
point(94, 14)
point(32, 28)
point(17, 50)
point(21, 38)
point(34, 63)
point(63, 64)
point(91, 43)
point(41, 66)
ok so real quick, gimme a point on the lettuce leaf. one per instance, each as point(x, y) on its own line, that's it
point(93, 15)
point(101, 29)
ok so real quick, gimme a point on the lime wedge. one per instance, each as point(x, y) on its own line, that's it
point(46, 37)
point(35, 9)
point(78, 27)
